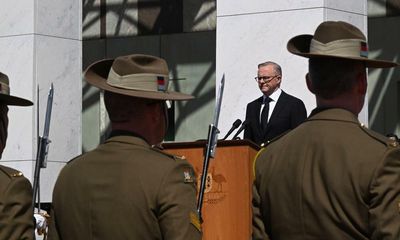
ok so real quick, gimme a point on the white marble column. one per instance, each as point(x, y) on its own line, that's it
point(251, 32)
point(40, 43)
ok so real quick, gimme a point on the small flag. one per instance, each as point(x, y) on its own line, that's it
point(161, 83)
point(364, 49)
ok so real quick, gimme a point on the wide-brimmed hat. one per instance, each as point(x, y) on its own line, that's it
point(335, 40)
point(136, 75)
point(5, 96)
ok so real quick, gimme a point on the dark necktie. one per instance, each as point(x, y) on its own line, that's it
point(264, 113)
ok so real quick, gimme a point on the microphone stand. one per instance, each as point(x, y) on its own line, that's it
point(235, 125)
point(240, 130)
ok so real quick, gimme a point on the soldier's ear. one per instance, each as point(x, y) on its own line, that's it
point(309, 83)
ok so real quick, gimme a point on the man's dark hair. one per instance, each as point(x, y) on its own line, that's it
point(332, 77)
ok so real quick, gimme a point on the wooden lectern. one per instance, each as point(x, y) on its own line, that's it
point(227, 199)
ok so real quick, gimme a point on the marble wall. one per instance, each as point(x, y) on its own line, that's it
point(248, 34)
point(40, 44)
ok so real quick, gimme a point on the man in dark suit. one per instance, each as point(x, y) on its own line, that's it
point(276, 111)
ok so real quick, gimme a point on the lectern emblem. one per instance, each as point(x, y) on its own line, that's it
point(213, 192)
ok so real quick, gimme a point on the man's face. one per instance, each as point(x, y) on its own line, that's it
point(268, 80)
point(3, 126)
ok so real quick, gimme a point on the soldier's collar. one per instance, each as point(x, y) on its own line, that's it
point(335, 114)
point(318, 110)
point(115, 133)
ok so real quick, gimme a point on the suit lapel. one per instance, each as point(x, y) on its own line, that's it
point(280, 104)
point(257, 112)
point(256, 117)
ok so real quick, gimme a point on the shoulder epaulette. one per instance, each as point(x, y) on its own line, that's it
point(12, 173)
point(263, 146)
point(380, 138)
point(274, 139)
point(175, 157)
point(255, 160)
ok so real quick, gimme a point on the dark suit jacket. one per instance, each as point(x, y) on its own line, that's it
point(288, 113)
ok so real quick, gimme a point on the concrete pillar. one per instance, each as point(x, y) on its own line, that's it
point(251, 32)
point(40, 43)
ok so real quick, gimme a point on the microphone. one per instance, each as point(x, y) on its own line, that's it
point(235, 125)
point(244, 124)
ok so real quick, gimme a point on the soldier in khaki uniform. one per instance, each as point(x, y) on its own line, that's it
point(125, 188)
point(16, 211)
point(331, 177)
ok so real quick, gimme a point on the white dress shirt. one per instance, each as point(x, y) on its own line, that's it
point(274, 99)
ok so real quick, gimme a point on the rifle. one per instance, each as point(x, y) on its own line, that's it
point(43, 147)
point(211, 145)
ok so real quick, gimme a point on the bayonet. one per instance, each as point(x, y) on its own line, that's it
point(212, 139)
point(43, 147)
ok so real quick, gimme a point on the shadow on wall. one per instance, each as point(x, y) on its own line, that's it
point(176, 30)
point(141, 17)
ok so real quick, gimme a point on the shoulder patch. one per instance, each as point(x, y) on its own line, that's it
point(12, 173)
point(380, 138)
point(189, 175)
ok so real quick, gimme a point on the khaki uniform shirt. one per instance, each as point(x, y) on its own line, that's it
point(330, 178)
point(16, 211)
point(125, 190)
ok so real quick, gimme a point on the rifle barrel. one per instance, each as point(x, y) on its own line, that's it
point(42, 149)
point(211, 146)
